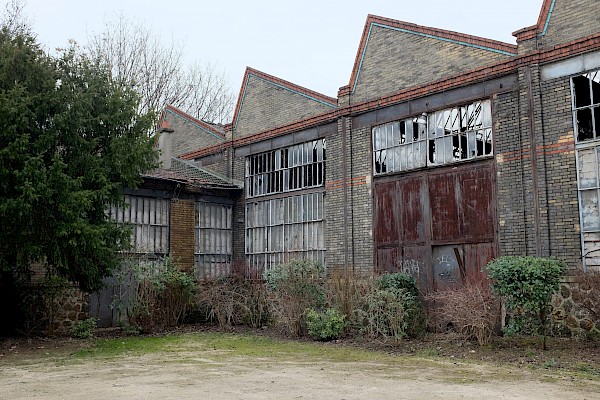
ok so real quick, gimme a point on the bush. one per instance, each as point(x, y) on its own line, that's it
point(473, 310)
point(586, 293)
point(326, 325)
point(160, 294)
point(84, 329)
point(399, 281)
point(527, 285)
point(391, 309)
point(293, 288)
point(234, 301)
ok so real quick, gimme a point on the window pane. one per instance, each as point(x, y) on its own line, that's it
point(585, 129)
point(588, 168)
point(589, 210)
point(581, 89)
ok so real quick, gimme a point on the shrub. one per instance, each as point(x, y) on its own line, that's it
point(234, 301)
point(347, 292)
point(527, 285)
point(586, 293)
point(399, 281)
point(472, 309)
point(391, 308)
point(326, 325)
point(84, 329)
point(293, 288)
point(161, 294)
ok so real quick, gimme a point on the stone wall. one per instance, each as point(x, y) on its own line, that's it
point(66, 310)
point(568, 317)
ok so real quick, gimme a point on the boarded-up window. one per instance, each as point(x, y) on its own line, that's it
point(213, 240)
point(149, 221)
point(442, 137)
point(279, 230)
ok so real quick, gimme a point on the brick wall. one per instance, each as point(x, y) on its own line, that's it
point(181, 233)
point(188, 136)
point(511, 176)
point(267, 106)
point(239, 216)
point(396, 60)
point(348, 198)
point(559, 168)
point(570, 20)
point(553, 228)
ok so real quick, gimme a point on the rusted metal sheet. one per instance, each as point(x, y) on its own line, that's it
point(387, 206)
point(446, 266)
point(476, 256)
point(412, 223)
point(445, 224)
point(438, 226)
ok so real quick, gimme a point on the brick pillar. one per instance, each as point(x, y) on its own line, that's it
point(181, 234)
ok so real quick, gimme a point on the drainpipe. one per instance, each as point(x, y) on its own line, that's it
point(534, 164)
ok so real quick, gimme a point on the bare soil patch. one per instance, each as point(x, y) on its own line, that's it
point(255, 365)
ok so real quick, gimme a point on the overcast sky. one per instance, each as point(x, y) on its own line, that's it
point(312, 43)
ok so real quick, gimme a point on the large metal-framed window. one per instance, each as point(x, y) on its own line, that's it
point(586, 106)
point(585, 95)
point(282, 229)
point(442, 137)
point(149, 221)
point(295, 167)
point(213, 247)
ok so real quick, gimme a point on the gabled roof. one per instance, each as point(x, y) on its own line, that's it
point(542, 24)
point(435, 33)
point(189, 173)
point(273, 80)
point(213, 129)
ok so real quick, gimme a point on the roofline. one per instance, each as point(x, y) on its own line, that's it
point(435, 33)
point(502, 68)
point(542, 23)
point(311, 94)
point(199, 123)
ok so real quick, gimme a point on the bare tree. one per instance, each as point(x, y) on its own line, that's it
point(158, 73)
point(13, 20)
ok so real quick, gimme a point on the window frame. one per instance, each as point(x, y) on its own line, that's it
point(467, 127)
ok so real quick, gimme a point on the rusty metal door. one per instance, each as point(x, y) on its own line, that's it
point(437, 225)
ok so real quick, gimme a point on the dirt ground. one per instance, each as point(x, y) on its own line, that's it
point(48, 370)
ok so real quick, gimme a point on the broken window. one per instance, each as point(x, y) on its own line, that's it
point(585, 90)
point(213, 240)
point(296, 167)
point(282, 229)
point(447, 136)
point(586, 101)
point(400, 145)
point(149, 220)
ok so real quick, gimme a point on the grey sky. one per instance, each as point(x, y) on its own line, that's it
point(311, 42)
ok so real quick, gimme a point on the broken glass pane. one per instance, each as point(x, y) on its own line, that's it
point(581, 91)
point(585, 129)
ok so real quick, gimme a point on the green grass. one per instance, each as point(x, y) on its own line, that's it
point(223, 345)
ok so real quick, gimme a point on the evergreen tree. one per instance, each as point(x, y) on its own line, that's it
point(70, 140)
